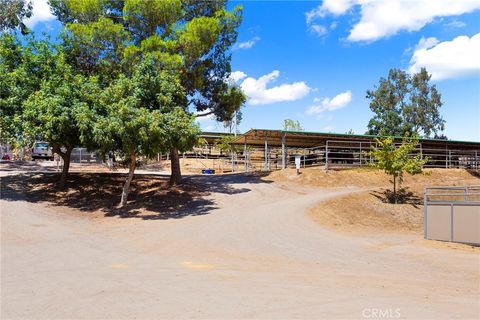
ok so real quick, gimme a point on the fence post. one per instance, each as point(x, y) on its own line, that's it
point(425, 213)
point(360, 154)
point(245, 155)
point(326, 155)
point(446, 158)
point(265, 156)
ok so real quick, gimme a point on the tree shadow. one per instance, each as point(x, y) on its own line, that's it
point(150, 197)
point(474, 172)
point(403, 196)
point(26, 166)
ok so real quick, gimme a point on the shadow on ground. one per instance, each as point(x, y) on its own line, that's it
point(403, 196)
point(150, 197)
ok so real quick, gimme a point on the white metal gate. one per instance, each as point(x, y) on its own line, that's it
point(452, 214)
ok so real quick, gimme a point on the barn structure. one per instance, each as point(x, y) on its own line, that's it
point(263, 149)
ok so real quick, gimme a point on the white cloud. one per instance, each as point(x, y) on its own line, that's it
point(455, 24)
point(236, 76)
point(319, 30)
point(246, 44)
point(383, 18)
point(335, 7)
point(426, 43)
point(258, 93)
point(449, 59)
point(328, 129)
point(327, 104)
point(41, 13)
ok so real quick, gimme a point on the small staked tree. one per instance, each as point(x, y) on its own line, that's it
point(395, 160)
point(225, 144)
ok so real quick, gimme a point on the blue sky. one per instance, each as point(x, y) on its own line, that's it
point(313, 61)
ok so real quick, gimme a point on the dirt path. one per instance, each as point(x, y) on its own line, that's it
point(254, 255)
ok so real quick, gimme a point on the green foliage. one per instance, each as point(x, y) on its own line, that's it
point(292, 125)
point(52, 111)
point(141, 115)
point(155, 61)
point(191, 38)
point(12, 14)
point(395, 160)
point(225, 144)
point(405, 104)
point(23, 68)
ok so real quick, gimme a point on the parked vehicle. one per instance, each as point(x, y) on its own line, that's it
point(41, 150)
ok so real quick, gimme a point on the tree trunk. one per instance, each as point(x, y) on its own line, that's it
point(66, 156)
point(126, 186)
point(176, 176)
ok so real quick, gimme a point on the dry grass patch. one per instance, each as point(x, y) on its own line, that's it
point(368, 210)
point(365, 212)
point(372, 178)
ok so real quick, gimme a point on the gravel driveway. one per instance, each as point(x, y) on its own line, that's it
point(255, 254)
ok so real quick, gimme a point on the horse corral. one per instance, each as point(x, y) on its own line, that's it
point(262, 149)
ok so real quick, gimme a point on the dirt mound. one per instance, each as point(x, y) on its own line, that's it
point(369, 177)
point(369, 211)
point(366, 212)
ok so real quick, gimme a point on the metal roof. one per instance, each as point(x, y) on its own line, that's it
point(305, 139)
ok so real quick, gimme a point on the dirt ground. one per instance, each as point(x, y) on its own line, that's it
point(368, 210)
point(222, 247)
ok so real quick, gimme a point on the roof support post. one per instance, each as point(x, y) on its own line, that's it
point(245, 154)
point(284, 152)
point(326, 155)
point(266, 156)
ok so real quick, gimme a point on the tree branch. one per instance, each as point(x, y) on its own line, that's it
point(205, 114)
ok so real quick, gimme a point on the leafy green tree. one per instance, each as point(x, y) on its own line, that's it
point(404, 103)
point(395, 160)
point(23, 67)
point(137, 118)
point(12, 14)
point(189, 38)
point(53, 111)
point(292, 125)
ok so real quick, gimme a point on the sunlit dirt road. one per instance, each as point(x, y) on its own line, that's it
point(250, 252)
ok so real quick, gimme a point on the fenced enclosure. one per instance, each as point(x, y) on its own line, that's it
point(277, 149)
point(82, 155)
point(452, 214)
point(262, 149)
